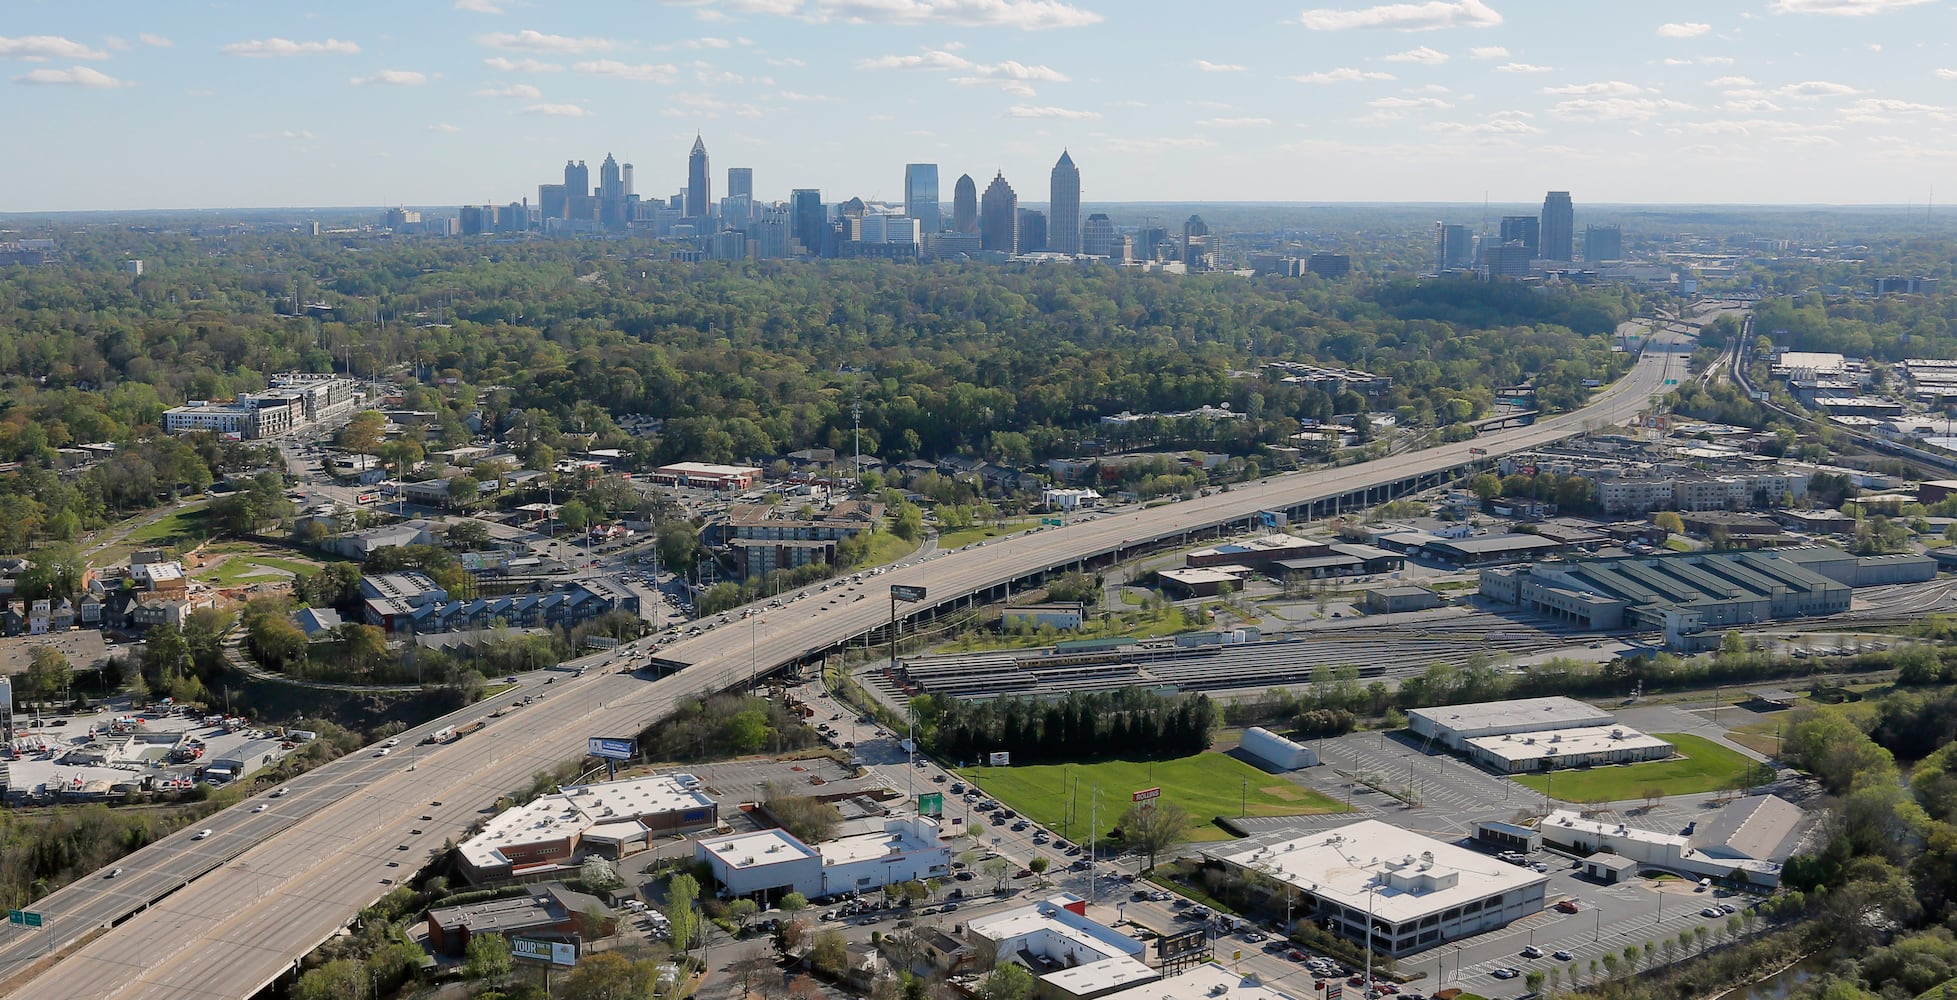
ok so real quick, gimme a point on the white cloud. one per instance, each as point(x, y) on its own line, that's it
point(791, 95)
point(520, 91)
point(653, 72)
point(525, 65)
point(1488, 52)
point(1750, 106)
point(263, 47)
point(1026, 15)
point(1841, 8)
point(1875, 110)
point(392, 78)
point(1406, 16)
point(444, 127)
point(1493, 126)
point(1809, 90)
point(1344, 74)
point(1024, 111)
point(1688, 29)
point(1521, 67)
point(1947, 74)
point(74, 76)
point(557, 111)
point(37, 47)
point(155, 41)
point(1209, 67)
point(930, 59)
point(1613, 88)
point(1012, 76)
point(480, 6)
point(1806, 140)
point(1156, 145)
point(1730, 81)
point(1603, 109)
point(1235, 122)
point(1422, 55)
point(787, 61)
point(707, 43)
point(1408, 103)
point(531, 40)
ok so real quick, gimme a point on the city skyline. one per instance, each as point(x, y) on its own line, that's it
point(1762, 102)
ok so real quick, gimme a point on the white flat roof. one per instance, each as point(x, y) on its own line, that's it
point(870, 846)
point(1207, 981)
point(1204, 575)
point(1564, 742)
point(707, 469)
point(1555, 712)
point(757, 850)
point(1068, 931)
point(1095, 978)
point(578, 810)
point(1564, 819)
point(1339, 866)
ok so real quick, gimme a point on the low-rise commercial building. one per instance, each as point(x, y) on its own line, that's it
point(549, 910)
point(772, 863)
point(1547, 750)
point(1747, 848)
point(707, 476)
point(609, 819)
point(1071, 956)
point(1399, 890)
point(1393, 600)
point(1452, 726)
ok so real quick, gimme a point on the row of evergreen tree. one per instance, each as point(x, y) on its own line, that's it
point(1129, 721)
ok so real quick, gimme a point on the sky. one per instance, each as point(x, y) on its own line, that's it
point(118, 104)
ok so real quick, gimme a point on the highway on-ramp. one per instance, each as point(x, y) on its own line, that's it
point(226, 915)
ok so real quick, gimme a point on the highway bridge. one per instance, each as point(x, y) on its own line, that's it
point(225, 915)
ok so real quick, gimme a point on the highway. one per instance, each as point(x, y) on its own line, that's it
point(268, 887)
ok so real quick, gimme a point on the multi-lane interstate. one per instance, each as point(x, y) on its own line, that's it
point(226, 915)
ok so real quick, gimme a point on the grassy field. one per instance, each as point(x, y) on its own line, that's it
point(239, 570)
point(958, 538)
point(1703, 766)
point(1206, 785)
point(887, 548)
point(177, 531)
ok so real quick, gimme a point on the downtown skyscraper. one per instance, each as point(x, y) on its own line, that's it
point(999, 217)
point(1558, 227)
point(921, 196)
point(699, 183)
point(964, 205)
point(1063, 208)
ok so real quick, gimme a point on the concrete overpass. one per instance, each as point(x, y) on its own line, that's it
point(226, 915)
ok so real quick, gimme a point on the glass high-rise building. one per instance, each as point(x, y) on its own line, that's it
point(921, 196)
point(999, 217)
point(1558, 227)
point(1063, 208)
point(807, 219)
point(699, 182)
point(1032, 231)
point(1097, 237)
point(740, 182)
point(1602, 243)
point(1454, 246)
point(964, 205)
point(1523, 229)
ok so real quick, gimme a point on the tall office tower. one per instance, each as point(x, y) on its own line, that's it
point(964, 205)
point(1063, 207)
point(611, 194)
point(999, 216)
point(740, 182)
point(1033, 234)
point(1454, 247)
point(577, 192)
point(1097, 239)
point(1198, 251)
point(552, 201)
point(1558, 227)
point(921, 196)
point(625, 179)
point(699, 185)
point(1523, 229)
point(807, 219)
point(1602, 243)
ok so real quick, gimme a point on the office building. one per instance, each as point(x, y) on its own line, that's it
point(1071, 956)
point(808, 219)
point(1523, 229)
point(1063, 207)
point(577, 192)
point(921, 196)
point(552, 201)
point(1452, 726)
point(1328, 265)
point(737, 209)
point(999, 217)
point(964, 205)
point(1504, 260)
point(699, 184)
point(1399, 891)
point(1558, 227)
point(625, 180)
point(611, 819)
point(772, 863)
point(1098, 237)
point(1454, 247)
point(1198, 247)
point(1602, 243)
point(1032, 231)
point(740, 182)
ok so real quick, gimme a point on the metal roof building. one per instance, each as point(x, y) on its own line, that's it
point(1454, 725)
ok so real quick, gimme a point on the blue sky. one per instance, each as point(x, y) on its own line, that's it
point(159, 104)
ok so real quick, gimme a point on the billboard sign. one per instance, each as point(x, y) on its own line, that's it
point(554, 952)
point(907, 593)
point(1183, 946)
point(609, 749)
point(999, 758)
point(931, 804)
point(1148, 794)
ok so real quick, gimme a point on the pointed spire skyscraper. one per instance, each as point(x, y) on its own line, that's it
point(1063, 207)
point(699, 182)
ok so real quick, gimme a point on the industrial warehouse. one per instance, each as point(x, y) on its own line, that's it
point(611, 819)
point(1688, 593)
point(1414, 891)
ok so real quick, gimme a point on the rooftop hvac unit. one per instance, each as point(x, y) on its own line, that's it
point(1617, 734)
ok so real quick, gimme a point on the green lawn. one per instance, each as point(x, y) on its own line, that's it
point(1702, 766)
point(178, 531)
point(958, 538)
point(239, 570)
point(886, 548)
point(1207, 785)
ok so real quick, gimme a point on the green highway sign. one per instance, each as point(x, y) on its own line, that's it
point(24, 918)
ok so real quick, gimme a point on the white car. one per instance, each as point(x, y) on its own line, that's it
point(383, 751)
point(113, 872)
point(392, 741)
point(259, 808)
point(203, 834)
point(281, 792)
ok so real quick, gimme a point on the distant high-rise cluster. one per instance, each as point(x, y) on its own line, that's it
point(1529, 244)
